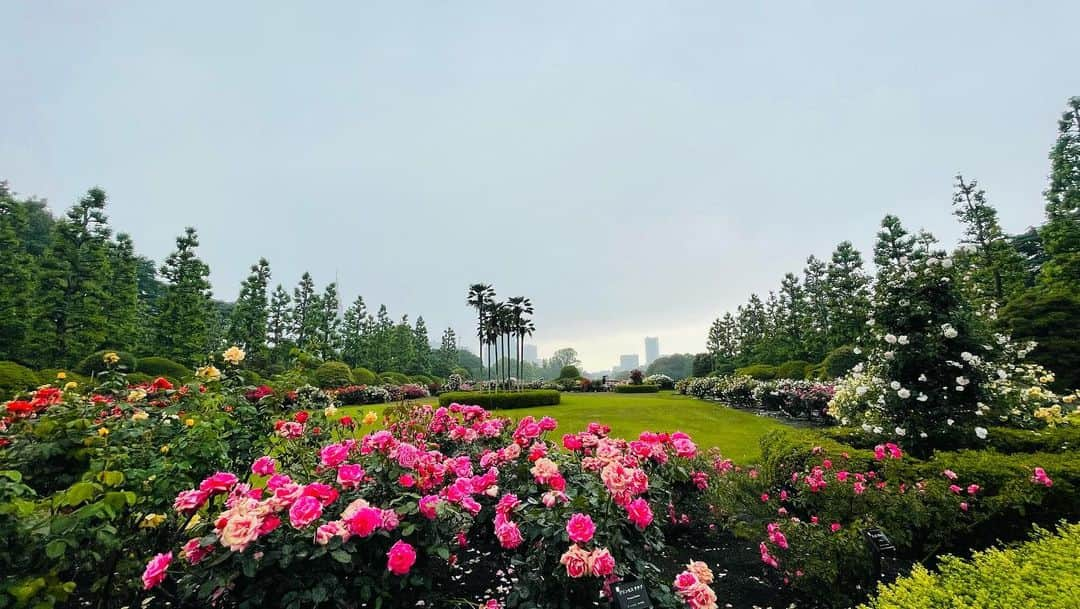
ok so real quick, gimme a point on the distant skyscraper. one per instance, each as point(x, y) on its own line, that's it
point(652, 349)
point(628, 362)
point(531, 354)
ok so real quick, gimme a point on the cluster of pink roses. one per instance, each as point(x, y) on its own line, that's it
point(580, 562)
point(1039, 477)
point(692, 586)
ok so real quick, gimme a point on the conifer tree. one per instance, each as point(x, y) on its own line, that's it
point(1061, 233)
point(186, 315)
point(327, 337)
point(71, 294)
point(848, 298)
point(279, 323)
point(122, 290)
point(16, 277)
point(305, 312)
point(249, 318)
point(893, 243)
point(352, 332)
point(421, 348)
point(997, 271)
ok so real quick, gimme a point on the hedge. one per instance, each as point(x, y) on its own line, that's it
point(505, 401)
point(363, 376)
point(15, 378)
point(794, 369)
point(393, 378)
point(48, 377)
point(333, 374)
point(163, 366)
point(95, 362)
point(1043, 573)
point(637, 388)
point(1002, 439)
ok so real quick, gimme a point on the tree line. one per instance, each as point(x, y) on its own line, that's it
point(1029, 275)
point(69, 287)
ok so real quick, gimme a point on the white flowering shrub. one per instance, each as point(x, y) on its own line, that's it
point(929, 381)
point(661, 380)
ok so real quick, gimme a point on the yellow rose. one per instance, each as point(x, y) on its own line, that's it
point(370, 418)
point(136, 395)
point(70, 385)
point(61, 375)
point(234, 355)
point(165, 449)
point(110, 358)
point(329, 411)
point(210, 373)
point(151, 521)
point(103, 432)
point(140, 415)
point(195, 520)
point(189, 422)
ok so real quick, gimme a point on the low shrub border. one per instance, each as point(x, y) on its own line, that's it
point(1041, 573)
point(637, 388)
point(508, 400)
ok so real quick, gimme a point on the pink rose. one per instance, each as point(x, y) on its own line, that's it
point(972, 489)
point(156, 570)
point(509, 535)
point(428, 504)
point(188, 502)
point(365, 521)
point(327, 531)
point(602, 562)
point(576, 562)
point(193, 551)
point(580, 528)
point(685, 580)
point(350, 475)
point(333, 454)
point(218, 483)
point(400, 558)
point(640, 513)
point(834, 527)
point(304, 511)
point(701, 571)
point(263, 466)
point(407, 480)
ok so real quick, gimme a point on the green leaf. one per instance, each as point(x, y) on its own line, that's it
point(80, 492)
point(341, 556)
point(55, 548)
point(12, 475)
point(110, 478)
point(443, 552)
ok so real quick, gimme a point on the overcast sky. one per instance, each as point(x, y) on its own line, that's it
point(636, 168)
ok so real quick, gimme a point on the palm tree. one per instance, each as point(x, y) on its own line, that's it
point(519, 307)
point(479, 296)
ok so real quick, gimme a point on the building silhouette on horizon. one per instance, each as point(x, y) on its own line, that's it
point(652, 349)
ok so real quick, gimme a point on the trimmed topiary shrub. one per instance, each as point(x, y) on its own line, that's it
point(393, 378)
point(15, 378)
point(637, 388)
point(794, 369)
point(48, 377)
point(139, 378)
point(333, 374)
point(95, 362)
point(761, 372)
point(1043, 573)
point(840, 361)
point(1050, 440)
point(163, 366)
point(505, 401)
point(363, 376)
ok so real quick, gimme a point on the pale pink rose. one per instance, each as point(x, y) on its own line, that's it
point(240, 530)
point(576, 562)
point(193, 551)
point(189, 501)
point(701, 571)
point(544, 469)
point(602, 562)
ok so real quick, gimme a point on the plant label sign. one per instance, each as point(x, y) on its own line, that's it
point(631, 595)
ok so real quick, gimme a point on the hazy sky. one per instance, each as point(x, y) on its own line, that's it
point(636, 168)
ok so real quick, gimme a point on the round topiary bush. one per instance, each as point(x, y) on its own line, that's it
point(95, 362)
point(333, 374)
point(761, 372)
point(163, 366)
point(794, 369)
point(393, 378)
point(15, 378)
point(840, 361)
point(363, 376)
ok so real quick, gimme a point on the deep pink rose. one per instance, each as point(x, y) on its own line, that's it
point(263, 466)
point(580, 528)
point(304, 511)
point(190, 501)
point(639, 513)
point(350, 475)
point(400, 558)
point(156, 570)
point(333, 454)
point(218, 483)
point(365, 521)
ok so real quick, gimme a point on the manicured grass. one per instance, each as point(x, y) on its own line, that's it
point(734, 432)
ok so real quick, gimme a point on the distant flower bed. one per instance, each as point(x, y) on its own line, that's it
point(793, 397)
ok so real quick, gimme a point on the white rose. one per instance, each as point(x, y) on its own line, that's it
point(891, 339)
point(900, 431)
point(980, 432)
point(904, 393)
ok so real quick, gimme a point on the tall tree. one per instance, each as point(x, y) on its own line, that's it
point(71, 291)
point(998, 266)
point(122, 290)
point(305, 312)
point(849, 302)
point(816, 288)
point(792, 317)
point(480, 297)
point(421, 348)
point(353, 330)
point(381, 339)
point(448, 352)
point(402, 350)
point(327, 335)
point(279, 323)
point(1061, 233)
point(16, 277)
point(249, 319)
point(893, 243)
point(184, 323)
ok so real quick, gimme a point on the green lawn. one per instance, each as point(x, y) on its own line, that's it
point(736, 433)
